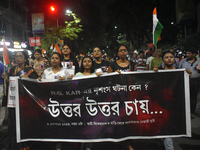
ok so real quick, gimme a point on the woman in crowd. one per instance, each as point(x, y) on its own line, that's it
point(56, 71)
point(39, 64)
point(169, 59)
point(87, 70)
point(86, 67)
point(98, 62)
point(122, 64)
point(68, 60)
point(22, 69)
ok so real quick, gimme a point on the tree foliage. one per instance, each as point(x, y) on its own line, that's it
point(70, 31)
point(93, 28)
point(72, 28)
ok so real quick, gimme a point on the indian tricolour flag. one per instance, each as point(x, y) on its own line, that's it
point(57, 49)
point(157, 28)
point(6, 59)
point(51, 49)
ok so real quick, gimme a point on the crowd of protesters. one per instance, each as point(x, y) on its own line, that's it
point(65, 67)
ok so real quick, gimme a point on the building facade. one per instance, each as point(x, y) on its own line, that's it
point(13, 20)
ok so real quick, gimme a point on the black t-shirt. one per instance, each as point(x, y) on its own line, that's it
point(103, 65)
point(75, 63)
point(115, 67)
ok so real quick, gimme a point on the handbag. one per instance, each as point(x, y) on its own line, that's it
point(4, 100)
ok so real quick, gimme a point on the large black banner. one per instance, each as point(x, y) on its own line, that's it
point(113, 107)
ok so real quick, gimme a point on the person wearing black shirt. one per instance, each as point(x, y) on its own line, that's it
point(122, 64)
point(68, 59)
point(168, 59)
point(98, 62)
point(23, 70)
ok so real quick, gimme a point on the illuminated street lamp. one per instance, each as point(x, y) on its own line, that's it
point(68, 11)
point(52, 8)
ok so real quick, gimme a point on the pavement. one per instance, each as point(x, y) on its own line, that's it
point(183, 143)
point(192, 143)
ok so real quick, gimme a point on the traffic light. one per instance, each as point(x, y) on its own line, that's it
point(52, 8)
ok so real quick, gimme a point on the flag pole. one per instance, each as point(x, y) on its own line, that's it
point(156, 49)
point(4, 71)
point(6, 61)
point(5, 81)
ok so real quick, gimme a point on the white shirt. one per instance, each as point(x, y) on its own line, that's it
point(49, 74)
point(149, 61)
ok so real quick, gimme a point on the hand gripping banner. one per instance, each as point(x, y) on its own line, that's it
point(113, 107)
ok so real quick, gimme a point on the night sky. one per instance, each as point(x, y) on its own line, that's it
point(36, 6)
point(97, 13)
point(77, 6)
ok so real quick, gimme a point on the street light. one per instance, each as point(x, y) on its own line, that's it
point(68, 11)
point(54, 11)
point(52, 8)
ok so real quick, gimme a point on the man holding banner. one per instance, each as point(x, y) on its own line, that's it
point(192, 63)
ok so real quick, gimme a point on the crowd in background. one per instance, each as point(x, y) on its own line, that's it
point(65, 66)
